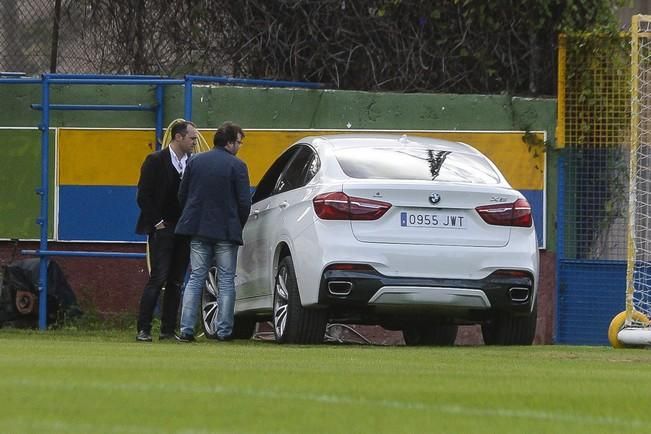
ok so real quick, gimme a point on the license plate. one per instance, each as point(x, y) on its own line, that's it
point(433, 220)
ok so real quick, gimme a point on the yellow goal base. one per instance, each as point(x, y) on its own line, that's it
point(621, 336)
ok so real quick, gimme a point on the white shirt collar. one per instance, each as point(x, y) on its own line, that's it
point(179, 164)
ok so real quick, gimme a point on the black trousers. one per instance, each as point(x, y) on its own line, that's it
point(169, 255)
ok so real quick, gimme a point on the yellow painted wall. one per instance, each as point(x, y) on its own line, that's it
point(113, 157)
point(102, 157)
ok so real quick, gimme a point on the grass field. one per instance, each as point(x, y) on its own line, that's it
point(76, 382)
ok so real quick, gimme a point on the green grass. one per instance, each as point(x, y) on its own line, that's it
point(81, 382)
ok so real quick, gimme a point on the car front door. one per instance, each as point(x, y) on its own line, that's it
point(290, 207)
point(253, 263)
point(273, 217)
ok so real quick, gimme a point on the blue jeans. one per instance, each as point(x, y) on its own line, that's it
point(202, 254)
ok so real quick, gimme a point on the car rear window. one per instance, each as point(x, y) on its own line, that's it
point(416, 164)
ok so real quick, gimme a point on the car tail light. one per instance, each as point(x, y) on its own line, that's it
point(517, 213)
point(340, 206)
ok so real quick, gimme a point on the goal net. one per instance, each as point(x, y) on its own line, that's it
point(638, 276)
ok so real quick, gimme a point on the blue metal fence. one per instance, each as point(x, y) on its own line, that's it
point(591, 278)
point(46, 106)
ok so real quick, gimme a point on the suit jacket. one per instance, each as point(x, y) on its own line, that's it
point(216, 197)
point(157, 192)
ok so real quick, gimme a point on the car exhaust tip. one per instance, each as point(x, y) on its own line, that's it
point(519, 295)
point(340, 288)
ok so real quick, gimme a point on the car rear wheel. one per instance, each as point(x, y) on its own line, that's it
point(294, 324)
point(510, 329)
point(428, 334)
point(243, 327)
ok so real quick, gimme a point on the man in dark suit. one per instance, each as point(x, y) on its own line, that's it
point(160, 210)
point(216, 200)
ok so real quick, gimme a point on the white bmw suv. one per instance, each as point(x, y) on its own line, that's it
point(411, 233)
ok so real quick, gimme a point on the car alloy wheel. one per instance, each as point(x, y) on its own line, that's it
point(210, 304)
point(281, 304)
point(294, 324)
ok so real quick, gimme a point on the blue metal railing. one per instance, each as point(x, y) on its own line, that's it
point(560, 240)
point(98, 107)
point(43, 191)
point(46, 106)
point(83, 253)
point(11, 74)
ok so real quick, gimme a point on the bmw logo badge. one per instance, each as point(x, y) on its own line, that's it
point(434, 198)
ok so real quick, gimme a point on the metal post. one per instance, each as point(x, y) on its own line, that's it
point(98, 107)
point(254, 82)
point(561, 105)
point(55, 36)
point(60, 75)
point(560, 241)
point(159, 115)
point(84, 254)
point(43, 191)
point(633, 157)
point(187, 101)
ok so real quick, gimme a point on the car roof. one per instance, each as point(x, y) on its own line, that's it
point(385, 140)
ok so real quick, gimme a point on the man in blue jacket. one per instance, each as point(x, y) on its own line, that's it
point(216, 200)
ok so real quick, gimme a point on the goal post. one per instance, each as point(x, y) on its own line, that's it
point(632, 327)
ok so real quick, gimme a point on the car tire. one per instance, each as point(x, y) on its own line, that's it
point(292, 323)
point(511, 329)
point(243, 327)
point(443, 335)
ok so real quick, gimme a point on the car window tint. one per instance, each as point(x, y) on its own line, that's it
point(416, 164)
point(265, 187)
point(295, 175)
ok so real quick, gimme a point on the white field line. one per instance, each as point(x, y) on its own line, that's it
point(59, 426)
point(551, 416)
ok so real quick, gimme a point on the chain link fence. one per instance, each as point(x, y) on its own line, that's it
point(112, 36)
point(597, 133)
point(595, 120)
point(31, 32)
point(412, 46)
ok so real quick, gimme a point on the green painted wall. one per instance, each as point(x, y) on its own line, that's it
point(283, 109)
point(21, 176)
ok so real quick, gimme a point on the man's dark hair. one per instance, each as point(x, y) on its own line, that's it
point(226, 133)
point(181, 128)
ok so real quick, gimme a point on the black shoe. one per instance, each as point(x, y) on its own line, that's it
point(225, 338)
point(183, 337)
point(143, 336)
point(166, 336)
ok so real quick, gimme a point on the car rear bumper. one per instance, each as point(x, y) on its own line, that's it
point(369, 288)
point(323, 245)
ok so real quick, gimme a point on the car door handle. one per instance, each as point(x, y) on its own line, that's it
point(284, 204)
